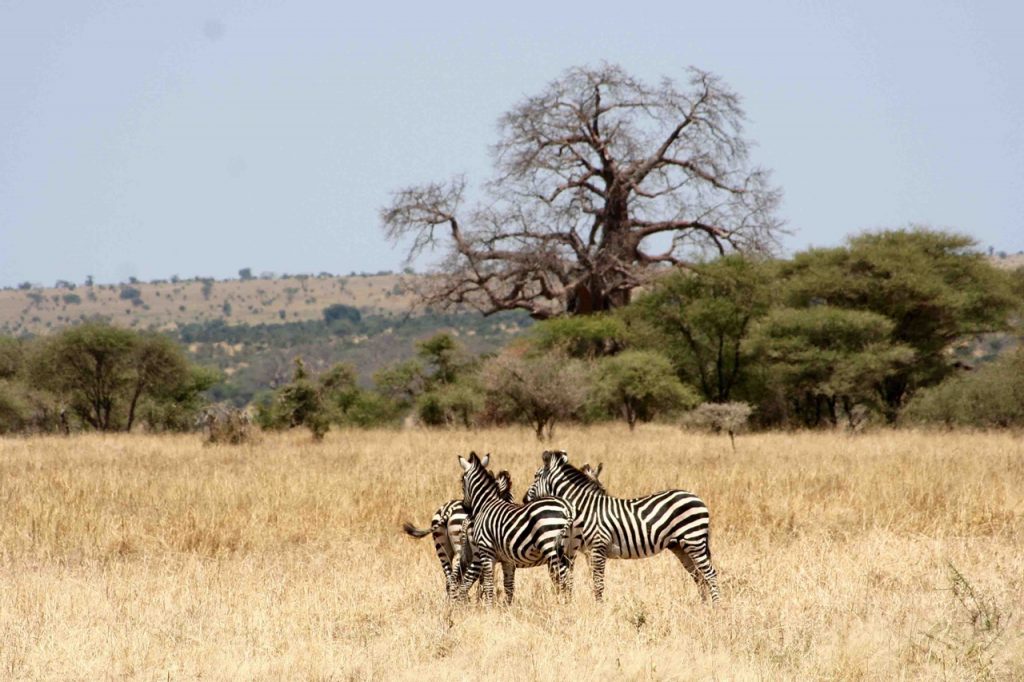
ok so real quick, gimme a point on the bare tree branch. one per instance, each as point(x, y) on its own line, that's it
point(586, 171)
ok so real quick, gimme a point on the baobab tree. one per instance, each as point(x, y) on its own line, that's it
point(599, 180)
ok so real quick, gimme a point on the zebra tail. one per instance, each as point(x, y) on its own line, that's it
point(565, 547)
point(414, 531)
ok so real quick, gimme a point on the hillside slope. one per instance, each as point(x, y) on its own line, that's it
point(168, 305)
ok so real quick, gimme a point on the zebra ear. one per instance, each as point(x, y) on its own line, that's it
point(485, 460)
point(464, 463)
point(597, 472)
point(546, 456)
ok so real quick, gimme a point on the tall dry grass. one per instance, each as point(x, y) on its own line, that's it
point(881, 556)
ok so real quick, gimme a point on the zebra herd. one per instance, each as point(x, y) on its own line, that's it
point(566, 510)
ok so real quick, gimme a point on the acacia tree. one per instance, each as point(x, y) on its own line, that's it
point(639, 384)
point(935, 287)
point(598, 178)
point(701, 320)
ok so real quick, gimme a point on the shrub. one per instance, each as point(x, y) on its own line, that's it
point(990, 397)
point(229, 426)
point(717, 417)
point(639, 385)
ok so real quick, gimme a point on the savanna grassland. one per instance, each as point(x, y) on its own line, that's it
point(882, 556)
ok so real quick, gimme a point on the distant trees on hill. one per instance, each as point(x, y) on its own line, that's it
point(880, 329)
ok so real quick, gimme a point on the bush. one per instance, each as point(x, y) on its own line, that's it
point(539, 390)
point(990, 397)
point(131, 294)
point(718, 417)
point(229, 426)
point(339, 311)
point(450, 404)
point(639, 385)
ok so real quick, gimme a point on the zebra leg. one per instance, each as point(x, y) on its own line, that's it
point(469, 577)
point(487, 579)
point(598, 557)
point(700, 554)
point(691, 568)
point(443, 548)
point(508, 579)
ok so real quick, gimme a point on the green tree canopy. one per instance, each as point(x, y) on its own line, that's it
point(700, 319)
point(828, 359)
point(639, 385)
point(103, 372)
point(934, 286)
point(585, 337)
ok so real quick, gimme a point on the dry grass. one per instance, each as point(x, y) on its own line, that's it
point(881, 556)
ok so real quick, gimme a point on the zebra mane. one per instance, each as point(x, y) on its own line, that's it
point(580, 479)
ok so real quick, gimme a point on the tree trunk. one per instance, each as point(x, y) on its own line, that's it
point(131, 407)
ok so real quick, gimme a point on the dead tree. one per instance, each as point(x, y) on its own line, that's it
point(600, 179)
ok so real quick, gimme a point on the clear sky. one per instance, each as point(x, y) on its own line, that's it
point(199, 137)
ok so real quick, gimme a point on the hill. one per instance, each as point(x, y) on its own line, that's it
point(167, 305)
point(252, 329)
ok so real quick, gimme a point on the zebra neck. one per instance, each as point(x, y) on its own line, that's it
point(484, 497)
point(572, 489)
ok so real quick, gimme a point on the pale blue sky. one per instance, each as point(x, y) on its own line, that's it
point(196, 138)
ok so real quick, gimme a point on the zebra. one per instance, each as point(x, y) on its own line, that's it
point(539, 532)
point(448, 527)
point(592, 473)
point(631, 529)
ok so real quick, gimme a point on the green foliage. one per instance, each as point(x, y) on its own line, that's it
point(934, 286)
point(245, 274)
point(444, 359)
point(340, 312)
point(12, 357)
point(700, 320)
point(989, 397)
point(103, 372)
point(301, 403)
point(334, 397)
point(451, 404)
point(583, 336)
point(177, 406)
point(828, 359)
point(639, 385)
point(27, 410)
point(371, 409)
point(401, 382)
point(71, 299)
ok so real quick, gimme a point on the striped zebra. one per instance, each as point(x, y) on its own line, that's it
point(540, 532)
point(631, 529)
point(447, 528)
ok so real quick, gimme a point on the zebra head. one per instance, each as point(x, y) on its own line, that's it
point(541, 486)
point(478, 484)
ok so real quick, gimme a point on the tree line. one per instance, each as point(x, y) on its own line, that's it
point(836, 337)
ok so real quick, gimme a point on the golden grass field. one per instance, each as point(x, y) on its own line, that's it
point(158, 558)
